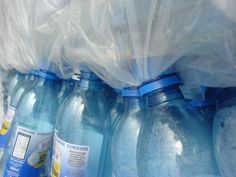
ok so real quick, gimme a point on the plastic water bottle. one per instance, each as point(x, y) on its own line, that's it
point(125, 138)
point(32, 129)
point(12, 81)
point(115, 115)
point(82, 131)
point(66, 89)
point(17, 92)
point(111, 95)
point(206, 107)
point(224, 132)
point(117, 109)
point(175, 140)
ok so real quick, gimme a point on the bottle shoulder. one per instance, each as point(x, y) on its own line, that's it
point(79, 109)
point(37, 102)
point(179, 111)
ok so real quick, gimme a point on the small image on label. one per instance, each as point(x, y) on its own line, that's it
point(21, 146)
point(38, 157)
point(69, 159)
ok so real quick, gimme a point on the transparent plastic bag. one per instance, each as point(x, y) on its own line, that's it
point(228, 7)
point(1, 100)
point(129, 42)
point(216, 69)
point(30, 38)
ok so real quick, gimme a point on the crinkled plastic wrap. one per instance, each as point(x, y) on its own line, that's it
point(30, 38)
point(1, 100)
point(228, 7)
point(216, 69)
point(3, 42)
point(129, 42)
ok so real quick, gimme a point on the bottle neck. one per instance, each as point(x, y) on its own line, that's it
point(31, 77)
point(135, 102)
point(44, 81)
point(164, 95)
point(119, 99)
point(45, 78)
point(26, 78)
point(89, 81)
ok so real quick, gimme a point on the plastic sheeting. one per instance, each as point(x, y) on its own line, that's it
point(30, 38)
point(124, 42)
point(1, 100)
point(228, 7)
point(216, 69)
point(129, 42)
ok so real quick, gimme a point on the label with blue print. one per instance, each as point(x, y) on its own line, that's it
point(28, 154)
point(69, 159)
point(6, 126)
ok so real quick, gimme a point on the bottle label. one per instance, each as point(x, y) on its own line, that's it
point(5, 130)
point(28, 154)
point(69, 159)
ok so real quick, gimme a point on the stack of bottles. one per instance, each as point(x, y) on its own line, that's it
point(88, 135)
point(119, 110)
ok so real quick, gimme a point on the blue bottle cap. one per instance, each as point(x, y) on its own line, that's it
point(130, 92)
point(159, 83)
point(202, 103)
point(48, 75)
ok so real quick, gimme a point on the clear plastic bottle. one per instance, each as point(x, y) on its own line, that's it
point(117, 109)
point(116, 113)
point(125, 138)
point(11, 82)
point(82, 131)
point(206, 107)
point(224, 132)
point(17, 92)
point(175, 140)
point(66, 88)
point(32, 129)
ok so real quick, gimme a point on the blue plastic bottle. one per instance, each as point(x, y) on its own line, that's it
point(12, 81)
point(206, 107)
point(117, 109)
point(224, 132)
point(32, 129)
point(125, 138)
point(67, 87)
point(116, 113)
point(175, 140)
point(111, 95)
point(82, 131)
point(17, 92)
